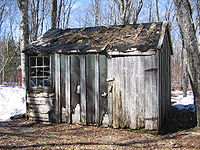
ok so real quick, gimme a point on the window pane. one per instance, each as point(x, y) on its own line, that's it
point(47, 81)
point(46, 61)
point(39, 61)
point(32, 82)
point(39, 81)
point(39, 71)
point(32, 61)
point(33, 72)
point(46, 71)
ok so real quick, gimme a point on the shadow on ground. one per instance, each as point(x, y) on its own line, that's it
point(179, 120)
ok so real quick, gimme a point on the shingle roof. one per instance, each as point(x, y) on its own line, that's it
point(143, 37)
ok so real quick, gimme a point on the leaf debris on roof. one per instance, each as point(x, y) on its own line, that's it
point(122, 38)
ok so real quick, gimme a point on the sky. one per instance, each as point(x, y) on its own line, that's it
point(79, 13)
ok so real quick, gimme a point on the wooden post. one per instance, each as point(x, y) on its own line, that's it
point(97, 118)
point(57, 88)
point(110, 90)
point(83, 89)
point(67, 88)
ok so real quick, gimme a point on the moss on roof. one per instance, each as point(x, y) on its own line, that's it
point(142, 37)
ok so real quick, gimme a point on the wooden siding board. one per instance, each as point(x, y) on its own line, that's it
point(40, 94)
point(83, 89)
point(97, 90)
point(67, 89)
point(139, 81)
point(57, 88)
point(118, 93)
point(34, 118)
point(74, 81)
point(165, 81)
point(168, 51)
point(40, 100)
point(130, 95)
point(52, 69)
point(103, 100)
point(90, 88)
point(110, 75)
point(134, 96)
point(62, 88)
point(151, 94)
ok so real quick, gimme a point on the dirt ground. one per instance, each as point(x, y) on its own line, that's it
point(22, 134)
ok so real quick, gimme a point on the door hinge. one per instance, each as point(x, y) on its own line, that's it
point(151, 70)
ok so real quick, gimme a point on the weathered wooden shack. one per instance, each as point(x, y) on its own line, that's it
point(117, 76)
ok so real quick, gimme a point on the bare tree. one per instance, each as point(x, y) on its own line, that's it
point(113, 15)
point(53, 14)
point(169, 11)
point(67, 12)
point(2, 9)
point(24, 34)
point(34, 24)
point(97, 12)
point(184, 14)
point(197, 3)
point(59, 12)
point(157, 11)
point(185, 81)
point(129, 10)
point(150, 11)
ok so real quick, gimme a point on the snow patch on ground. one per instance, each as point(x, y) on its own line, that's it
point(12, 101)
point(181, 102)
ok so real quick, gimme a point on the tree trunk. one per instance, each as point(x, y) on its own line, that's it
point(97, 12)
point(24, 33)
point(42, 16)
point(157, 11)
point(150, 11)
point(185, 81)
point(129, 10)
point(53, 14)
point(2, 9)
point(198, 13)
point(59, 13)
point(68, 14)
point(184, 15)
point(34, 19)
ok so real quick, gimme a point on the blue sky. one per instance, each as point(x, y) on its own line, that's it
point(78, 13)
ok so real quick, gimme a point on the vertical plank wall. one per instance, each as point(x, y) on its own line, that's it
point(165, 81)
point(69, 82)
point(58, 87)
point(90, 88)
point(103, 91)
point(132, 98)
point(65, 88)
point(88, 72)
point(93, 79)
point(83, 101)
point(74, 84)
point(151, 81)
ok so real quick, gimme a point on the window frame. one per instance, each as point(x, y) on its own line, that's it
point(36, 66)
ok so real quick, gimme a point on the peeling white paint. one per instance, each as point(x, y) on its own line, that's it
point(105, 121)
point(76, 115)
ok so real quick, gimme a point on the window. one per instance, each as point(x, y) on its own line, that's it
point(39, 71)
